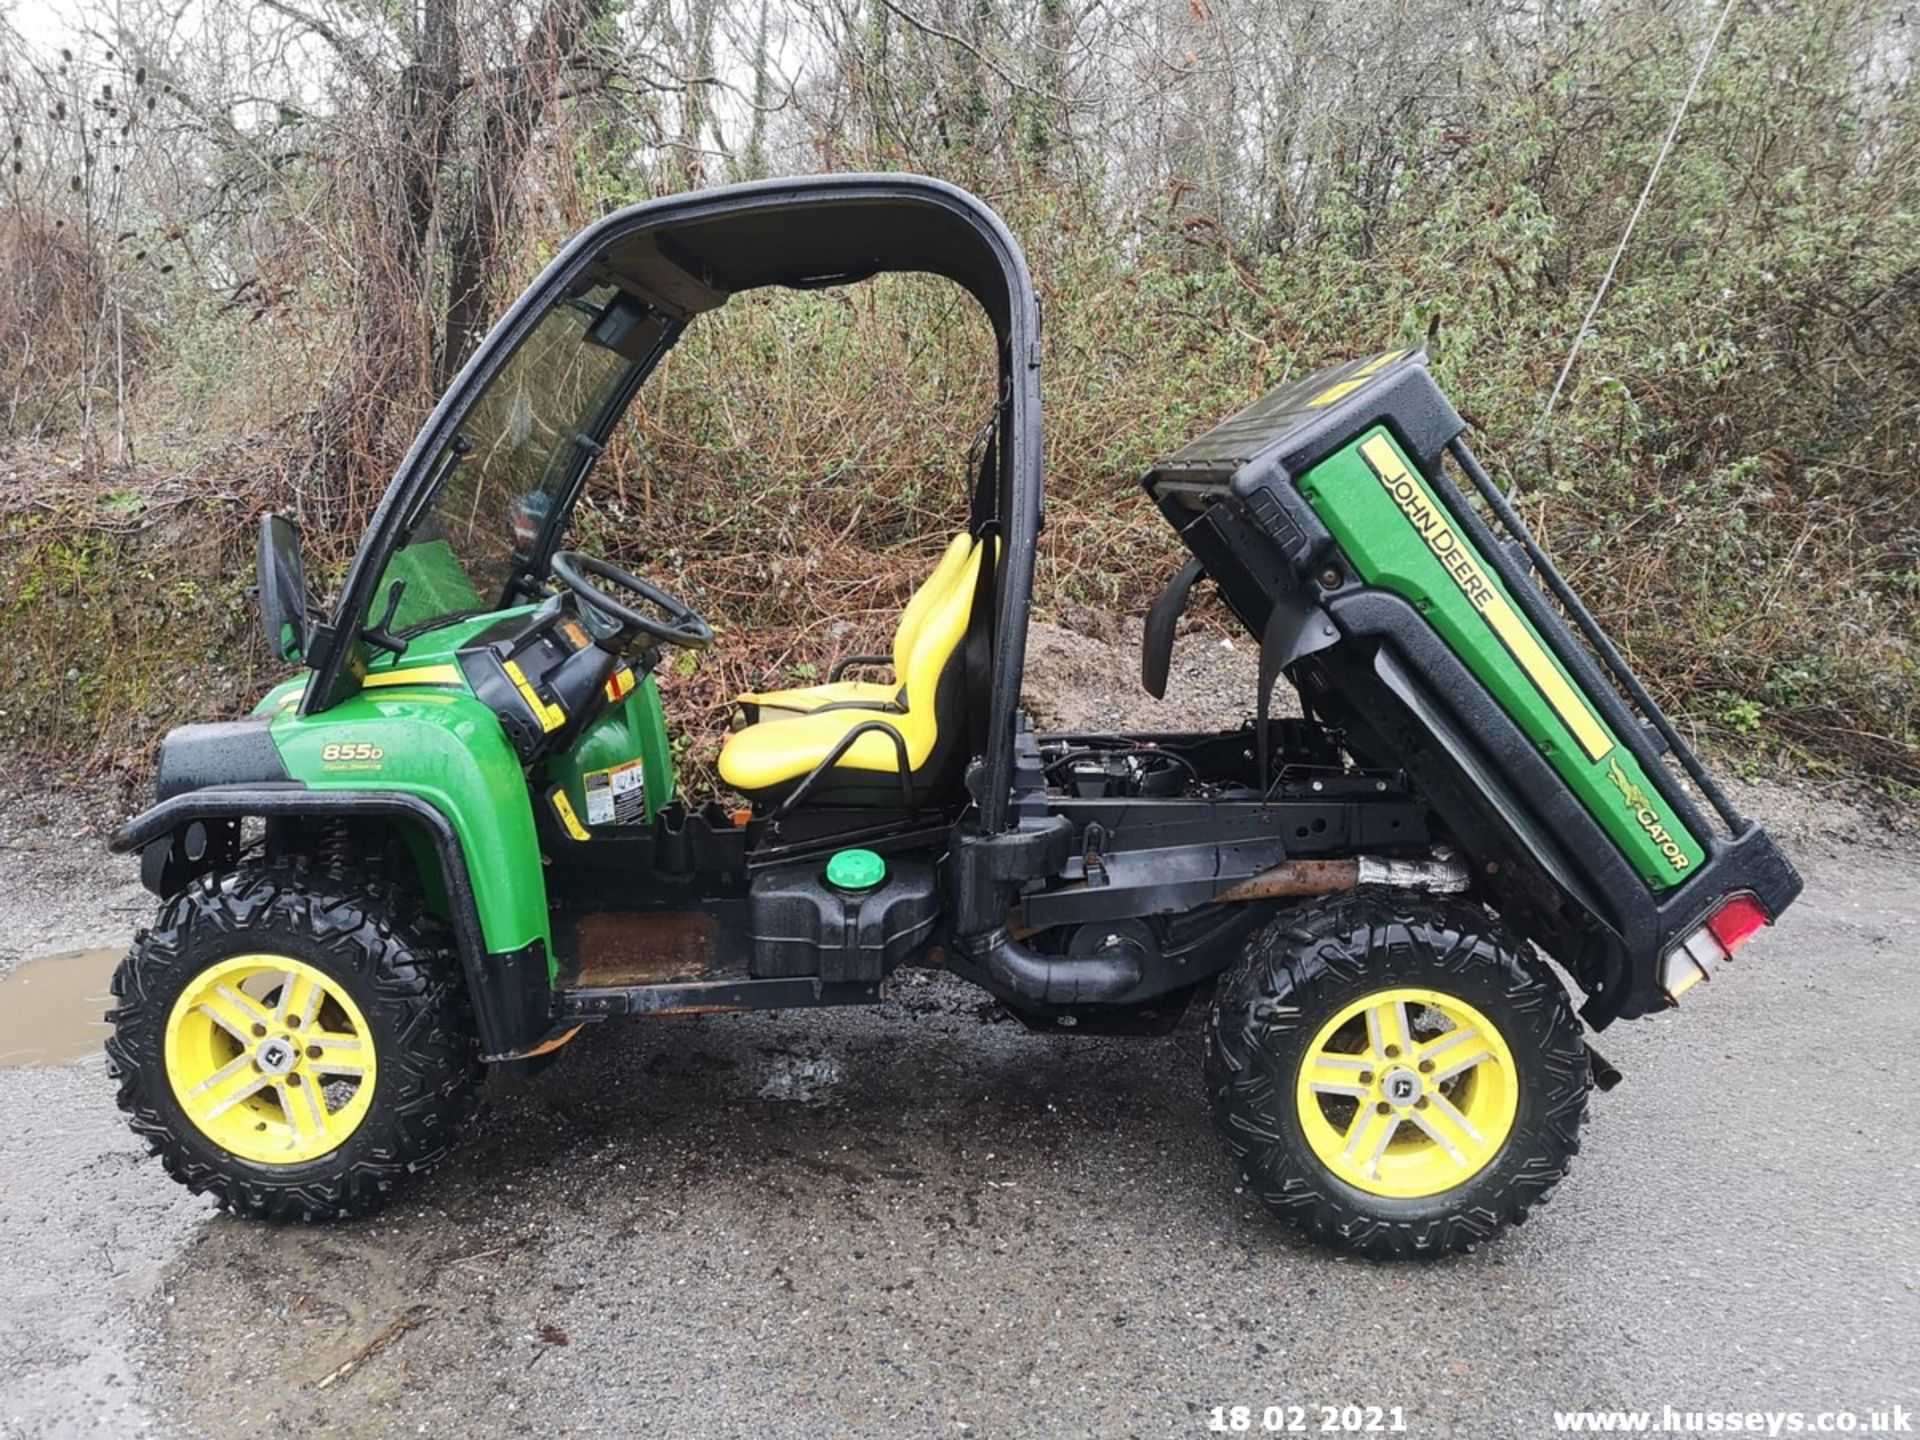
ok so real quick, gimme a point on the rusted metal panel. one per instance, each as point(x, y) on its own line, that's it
point(615, 949)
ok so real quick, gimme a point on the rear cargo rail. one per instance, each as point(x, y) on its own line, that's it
point(1597, 642)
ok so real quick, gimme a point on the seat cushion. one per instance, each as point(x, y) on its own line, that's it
point(762, 759)
point(926, 603)
point(906, 637)
point(774, 753)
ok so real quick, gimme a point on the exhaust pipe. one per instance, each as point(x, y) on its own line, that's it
point(1605, 1077)
point(1113, 971)
point(1093, 979)
point(1293, 879)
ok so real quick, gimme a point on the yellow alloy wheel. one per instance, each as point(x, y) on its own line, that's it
point(270, 1058)
point(1407, 1093)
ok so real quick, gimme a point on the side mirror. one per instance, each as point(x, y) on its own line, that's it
point(283, 588)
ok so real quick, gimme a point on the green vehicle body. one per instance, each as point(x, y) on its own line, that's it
point(415, 729)
point(428, 737)
point(1395, 531)
point(458, 829)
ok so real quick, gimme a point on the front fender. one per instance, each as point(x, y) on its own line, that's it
point(447, 750)
point(439, 763)
point(511, 990)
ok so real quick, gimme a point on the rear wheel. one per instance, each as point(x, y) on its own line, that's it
point(1395, 1075)
point(291, 1043)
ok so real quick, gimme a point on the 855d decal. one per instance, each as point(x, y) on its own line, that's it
point(355, 755)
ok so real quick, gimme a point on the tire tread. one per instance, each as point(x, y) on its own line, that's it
point(1332, 946)
point(380, 933)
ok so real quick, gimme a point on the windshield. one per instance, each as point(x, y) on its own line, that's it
point(514, 458)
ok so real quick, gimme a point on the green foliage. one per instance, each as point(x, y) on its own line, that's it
point(115, 629)
point(1739, 714)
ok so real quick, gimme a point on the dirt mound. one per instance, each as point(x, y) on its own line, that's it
point(1088, 678)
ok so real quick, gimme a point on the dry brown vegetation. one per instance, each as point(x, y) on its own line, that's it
point(235, 266)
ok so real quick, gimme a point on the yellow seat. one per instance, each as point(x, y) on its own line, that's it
point(765, 760)
point(760, 705)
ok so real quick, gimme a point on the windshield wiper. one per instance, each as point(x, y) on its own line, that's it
point(457, 450)
point(380, 634)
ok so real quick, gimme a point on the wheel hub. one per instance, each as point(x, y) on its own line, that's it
point(270, 1058)
point(276, 1055)
point(1401, 1087)
point(1405, 1112)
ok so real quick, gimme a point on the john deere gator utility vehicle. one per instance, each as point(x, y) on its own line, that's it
point(455, 837)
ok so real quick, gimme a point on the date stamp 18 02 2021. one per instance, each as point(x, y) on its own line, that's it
point(1278, 1419)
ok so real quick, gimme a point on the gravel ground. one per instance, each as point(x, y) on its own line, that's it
point(922, 1221)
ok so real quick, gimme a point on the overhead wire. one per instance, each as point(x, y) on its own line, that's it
point(1633, 220)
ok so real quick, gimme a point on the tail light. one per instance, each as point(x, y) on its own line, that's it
point(1737, 921)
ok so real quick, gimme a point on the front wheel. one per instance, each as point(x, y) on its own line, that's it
point(1395, 1075)
point(292, 1043)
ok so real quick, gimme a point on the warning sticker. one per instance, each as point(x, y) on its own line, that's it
point(617, 795)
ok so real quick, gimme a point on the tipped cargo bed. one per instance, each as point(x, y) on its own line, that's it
point(1438, 637)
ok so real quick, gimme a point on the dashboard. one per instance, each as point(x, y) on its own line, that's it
point(544, 678)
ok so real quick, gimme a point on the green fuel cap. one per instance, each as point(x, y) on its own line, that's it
point(856, 870)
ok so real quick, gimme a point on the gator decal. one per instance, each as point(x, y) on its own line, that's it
point(1647, 818)
point(1416, 502)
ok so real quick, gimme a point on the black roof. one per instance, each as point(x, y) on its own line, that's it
point(846, 231)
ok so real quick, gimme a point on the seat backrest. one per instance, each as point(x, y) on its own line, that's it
point(934, 675)
point(907, 633)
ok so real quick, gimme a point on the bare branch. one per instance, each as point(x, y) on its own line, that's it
point(364, 68)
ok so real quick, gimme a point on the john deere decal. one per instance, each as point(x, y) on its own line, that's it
point(1458, 560)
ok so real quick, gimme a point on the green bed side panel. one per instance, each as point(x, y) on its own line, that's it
point(1399, 537)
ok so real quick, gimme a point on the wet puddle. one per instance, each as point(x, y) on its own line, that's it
point(50, 1007)
point(807, 1081)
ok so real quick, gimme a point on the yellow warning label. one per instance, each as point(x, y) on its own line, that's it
point(563, 807)
point(552, 717)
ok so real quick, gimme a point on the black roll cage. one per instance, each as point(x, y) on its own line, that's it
point(690, 253)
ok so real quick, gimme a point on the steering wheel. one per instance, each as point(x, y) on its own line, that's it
point(614, 622)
